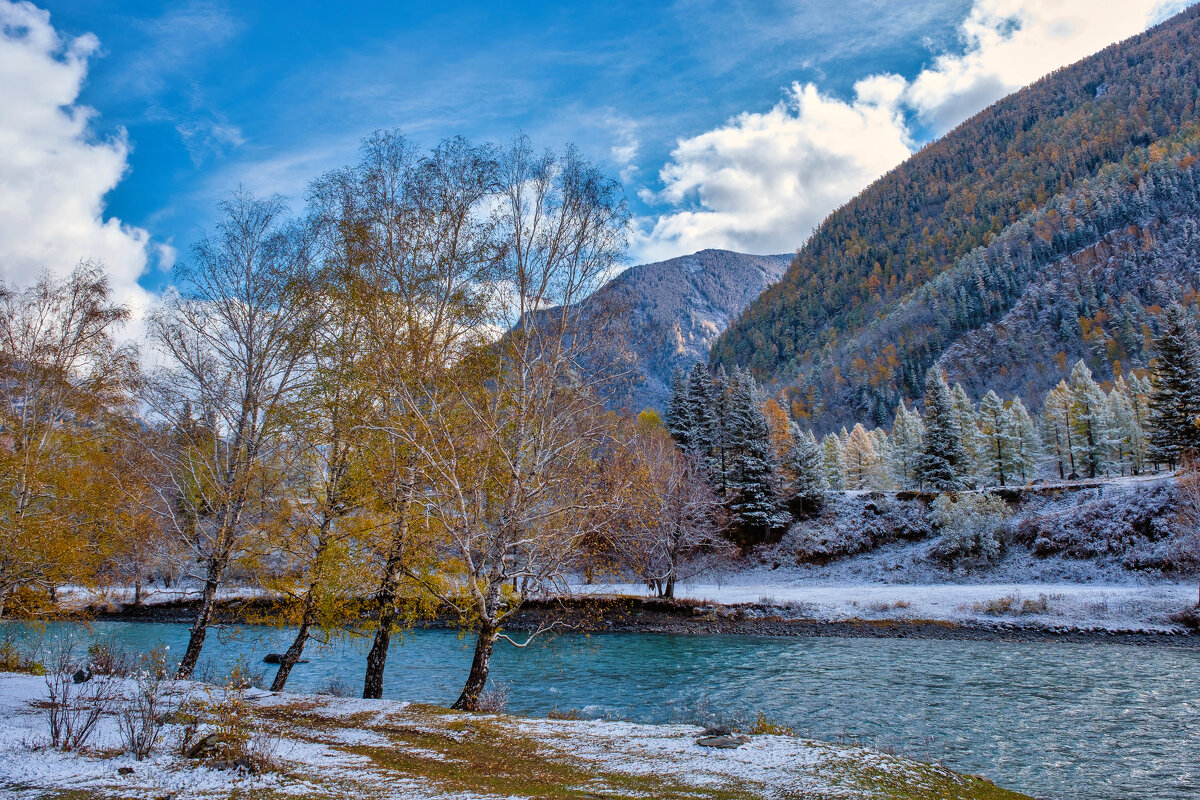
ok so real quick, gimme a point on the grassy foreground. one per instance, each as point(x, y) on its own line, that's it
point(327, 747)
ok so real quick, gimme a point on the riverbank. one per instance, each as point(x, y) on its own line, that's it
point(999, 613)
point(322, 746)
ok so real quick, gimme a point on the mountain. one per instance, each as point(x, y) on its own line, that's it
point(673, 310)
point(1050, 226)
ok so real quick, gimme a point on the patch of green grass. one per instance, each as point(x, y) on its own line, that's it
point(490, 756)
point(915, 781)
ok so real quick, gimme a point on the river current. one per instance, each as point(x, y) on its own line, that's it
point(1055, 720)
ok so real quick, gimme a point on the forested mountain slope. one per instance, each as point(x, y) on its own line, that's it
point(1047, 227)
point(672, 311)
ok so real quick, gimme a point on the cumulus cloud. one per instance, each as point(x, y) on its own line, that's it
point(762, 181)
point(54, 173)
point(1012, 43)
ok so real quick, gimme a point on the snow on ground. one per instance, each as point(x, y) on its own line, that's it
point(1103, 607)
point(333, 747)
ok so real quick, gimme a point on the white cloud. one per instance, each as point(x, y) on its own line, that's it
point(763, 181)
point(1012, 43)
point(54, 174)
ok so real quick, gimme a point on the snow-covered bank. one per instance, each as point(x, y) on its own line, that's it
point(1061, 605)
point(333, 747)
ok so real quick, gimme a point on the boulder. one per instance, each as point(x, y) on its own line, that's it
point(207, 747)
point(277, 658)
point(725, 742)
point(81, 676)
point(236, 763)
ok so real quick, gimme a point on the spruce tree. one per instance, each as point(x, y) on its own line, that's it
point(676, 418)
point(807, 475)
point(717, 461)
point(1175, 399)
point(700, 414)
point(750, 498)
point(943, 458)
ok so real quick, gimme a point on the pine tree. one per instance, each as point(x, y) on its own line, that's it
point(904, 455)
point(804, 463)
point(1129, 450)
point(995, 452)
point(943, 458)
point(860, 460)
point(750, 481)
point(964, 414)
point(1056, 429)
point(1023, 442)
point(1091, 429)
point(1175, 400)
point(831, 461)
point(1140, 391)
point(883, 451)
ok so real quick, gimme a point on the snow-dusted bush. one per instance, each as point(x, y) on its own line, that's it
point(1134, 525)
point(76, 698)
point(971, 528)
point(855, 523)
point(141, 717)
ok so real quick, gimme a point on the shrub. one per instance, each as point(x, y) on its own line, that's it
point(221, 729)
point(104, 658)
point(855, 524)
point(73, 709)
point(494, 699)
point(763, 725)
point(1134, 525)
point(971, 526)
point(141, 719)
point(14, 659)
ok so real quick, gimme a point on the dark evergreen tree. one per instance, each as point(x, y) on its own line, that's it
point(944, 463)
point(750, 496)
point(718, 459)
point(807, 475)
point(1175, 398)
point(700, 414)
point(676, 419)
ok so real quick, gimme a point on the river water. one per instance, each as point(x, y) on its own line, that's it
point(1055, 720)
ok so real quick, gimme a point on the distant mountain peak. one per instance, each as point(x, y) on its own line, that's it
point(677, 307)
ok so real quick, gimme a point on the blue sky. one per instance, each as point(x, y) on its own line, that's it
point(732, 124)
point(212, 94)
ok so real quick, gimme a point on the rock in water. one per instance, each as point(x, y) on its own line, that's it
point(277, 658)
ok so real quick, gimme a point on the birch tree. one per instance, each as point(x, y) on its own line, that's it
point(64, 381)
point(507, 443)
point(233, 332)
